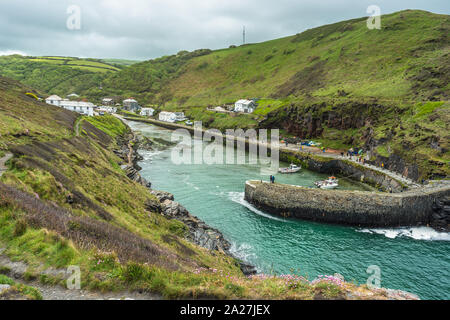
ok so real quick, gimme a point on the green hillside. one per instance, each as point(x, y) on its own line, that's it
point(407, 59)
point(342, 84)
point(57, 75)
point(65, 201)
point(120, 62)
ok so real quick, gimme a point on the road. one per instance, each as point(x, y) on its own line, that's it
point(335, 154)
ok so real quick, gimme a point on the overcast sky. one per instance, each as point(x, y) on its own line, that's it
point(144, 29)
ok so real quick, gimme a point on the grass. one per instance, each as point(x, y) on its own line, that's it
point(18, 291)
point(108, 124)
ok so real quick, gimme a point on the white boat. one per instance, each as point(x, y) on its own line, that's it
point(291, 169)
point(330, 183)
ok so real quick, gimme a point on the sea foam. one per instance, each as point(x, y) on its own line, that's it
point(416, 233)
point(239, 197)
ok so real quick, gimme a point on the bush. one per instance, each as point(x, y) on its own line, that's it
point(268, 57)
point(20, 228)
point(235, 289)
point(134, 272)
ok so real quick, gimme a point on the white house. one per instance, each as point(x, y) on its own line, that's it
point(171, 116)
point(179, 116)
point(85, 108)
point(54, 100)
point(247, 106)
point(131, 105)
point(106, 109)
point(107, 101)
point(167, 116)
point(147, 112)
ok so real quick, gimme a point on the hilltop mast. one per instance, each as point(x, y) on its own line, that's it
point(243, 35)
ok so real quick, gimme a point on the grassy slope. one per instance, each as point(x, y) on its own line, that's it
point(106, 228)
point(58, 75)
point(388, 78)
point(316, 63)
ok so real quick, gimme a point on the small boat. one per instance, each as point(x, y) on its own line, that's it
point(291, 169)
point(330, 183)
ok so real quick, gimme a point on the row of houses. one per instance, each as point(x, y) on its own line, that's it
point(86, 108)
point(83, 107)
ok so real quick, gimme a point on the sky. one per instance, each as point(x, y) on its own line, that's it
point(145, 29)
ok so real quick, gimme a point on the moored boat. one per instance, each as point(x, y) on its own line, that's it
point(330, 183)
point(291, 169)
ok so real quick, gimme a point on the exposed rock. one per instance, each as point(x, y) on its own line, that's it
point(128, 153)
point(441, 214)
point(153, 206)
point(4, 288)
point(199, 232)
point(162, 195)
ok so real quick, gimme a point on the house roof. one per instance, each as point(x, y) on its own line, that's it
point(245, 101)
point(77, 104)
point(129, 100)
point(54, 97)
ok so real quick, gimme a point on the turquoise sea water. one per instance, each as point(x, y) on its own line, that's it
point(412, 259)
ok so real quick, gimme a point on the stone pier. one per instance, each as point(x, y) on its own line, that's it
point(358, 208)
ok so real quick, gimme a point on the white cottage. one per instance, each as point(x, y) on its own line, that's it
point(107, 102)
point(147, 112)
point(167, 116)
point(171, 116)
point(86, 108)
point(131, 105)
point(247, 106)
point(54, 100)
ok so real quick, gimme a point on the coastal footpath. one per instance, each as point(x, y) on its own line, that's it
point(421, 206)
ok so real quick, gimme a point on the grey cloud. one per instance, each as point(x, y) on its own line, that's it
point(139, 29)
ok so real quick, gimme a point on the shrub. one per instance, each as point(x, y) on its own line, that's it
point(4, 270)
point(235, 289)
point(178, 228)
point(134, 272)
point(20, 228)
point(268, 57)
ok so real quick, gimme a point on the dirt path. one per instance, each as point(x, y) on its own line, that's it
point(77, 126)
point(3, 160)
point(17, 270)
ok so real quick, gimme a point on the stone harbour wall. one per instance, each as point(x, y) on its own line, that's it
point(358, 208)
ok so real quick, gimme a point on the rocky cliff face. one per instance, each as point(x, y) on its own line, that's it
point(391, 134)
point(199, 232)
point(310, 121)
